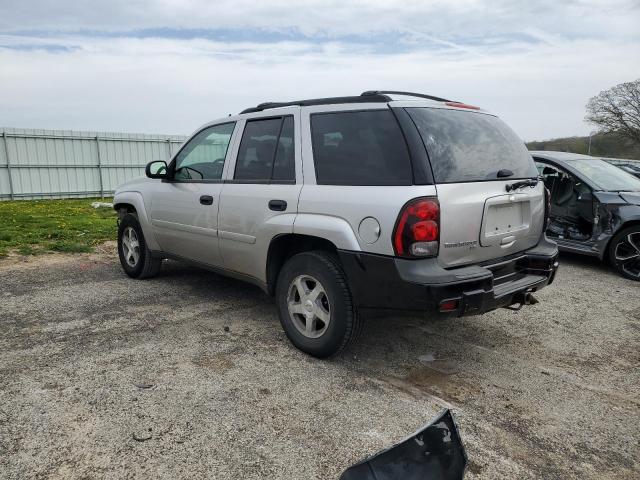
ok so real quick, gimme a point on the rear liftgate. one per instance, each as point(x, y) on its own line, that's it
point(434, 452)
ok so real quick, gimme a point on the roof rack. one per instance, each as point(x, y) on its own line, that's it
point(365, 97)
point(320, 101)
point(408, 94)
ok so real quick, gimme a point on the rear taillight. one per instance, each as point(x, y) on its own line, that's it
point(417, 230)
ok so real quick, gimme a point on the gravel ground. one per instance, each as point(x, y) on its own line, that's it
point(197, 369)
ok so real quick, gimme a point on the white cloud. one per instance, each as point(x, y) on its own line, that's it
point(535, 65)
point(468, 17)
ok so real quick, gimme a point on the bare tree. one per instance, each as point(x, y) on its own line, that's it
point(617, 110)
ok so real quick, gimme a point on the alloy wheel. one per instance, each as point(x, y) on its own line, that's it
point(308, 305)
point(130, 246)
point(627, 254)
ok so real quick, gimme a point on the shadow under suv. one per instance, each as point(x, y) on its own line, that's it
point(339, 206)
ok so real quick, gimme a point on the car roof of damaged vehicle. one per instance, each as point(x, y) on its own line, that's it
point(561, 156)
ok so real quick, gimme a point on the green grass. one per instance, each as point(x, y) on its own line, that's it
point(31, 227)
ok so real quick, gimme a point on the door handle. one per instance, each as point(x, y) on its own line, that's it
point(277, 205)
point(206, 200)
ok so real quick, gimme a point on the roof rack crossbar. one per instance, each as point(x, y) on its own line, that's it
point(374, 97)
point(408, 94)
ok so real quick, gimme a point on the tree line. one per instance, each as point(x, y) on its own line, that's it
point(616, 114)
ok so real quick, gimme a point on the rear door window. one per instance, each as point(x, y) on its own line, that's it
point(257, 149)
point(470, 147)
point(284, 164)
point(359, 148)
point(267, 151)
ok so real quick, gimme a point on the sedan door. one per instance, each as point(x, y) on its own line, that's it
point(184, 208)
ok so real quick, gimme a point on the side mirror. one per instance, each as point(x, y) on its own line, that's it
point(156, 169)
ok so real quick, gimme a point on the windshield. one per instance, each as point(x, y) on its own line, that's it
point(470, 147)
point(606, 176)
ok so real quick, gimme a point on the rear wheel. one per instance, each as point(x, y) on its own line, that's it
point(624, 252)
point(135, 257)
point(314, 304)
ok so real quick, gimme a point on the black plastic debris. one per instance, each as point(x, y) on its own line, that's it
point(435, 452)
point(144, 385)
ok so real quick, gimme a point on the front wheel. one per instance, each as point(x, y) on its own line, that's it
point(315, 305)
point(624, 252)
point(135, 257)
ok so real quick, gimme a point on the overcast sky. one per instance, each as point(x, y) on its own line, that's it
point(167, 66)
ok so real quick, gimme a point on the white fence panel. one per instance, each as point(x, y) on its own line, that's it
point(66, 164)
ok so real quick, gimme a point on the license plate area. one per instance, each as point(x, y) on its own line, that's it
point(506, 218)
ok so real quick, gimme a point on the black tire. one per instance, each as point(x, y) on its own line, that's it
point(146, 266)
point(621, 247)
point(344, 324)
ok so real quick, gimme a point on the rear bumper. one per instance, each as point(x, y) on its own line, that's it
point(381, 282)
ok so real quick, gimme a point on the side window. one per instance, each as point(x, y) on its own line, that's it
point(552, 179)
point(562, 185)
point(266, 151)
point(549, 174)
point(203, 157)
point(359, 148)
point(284, 167)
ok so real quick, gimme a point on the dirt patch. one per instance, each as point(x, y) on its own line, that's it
point(215, 361)
point(103, 252)
point(450, 389)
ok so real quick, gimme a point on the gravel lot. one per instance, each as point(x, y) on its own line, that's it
point(198, 365)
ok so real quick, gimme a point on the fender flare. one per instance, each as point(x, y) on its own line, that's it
point(136, 200)
point(625, 216)
point(335, 229)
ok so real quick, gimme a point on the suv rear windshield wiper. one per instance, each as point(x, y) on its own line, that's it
point(529, 182)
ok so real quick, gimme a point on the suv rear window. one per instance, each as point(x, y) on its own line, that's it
point(359, 148)
point(469, 146)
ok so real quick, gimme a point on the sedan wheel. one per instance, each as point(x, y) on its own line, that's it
point(627, 254)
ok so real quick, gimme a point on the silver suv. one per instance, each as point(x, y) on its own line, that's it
point(339, 206)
